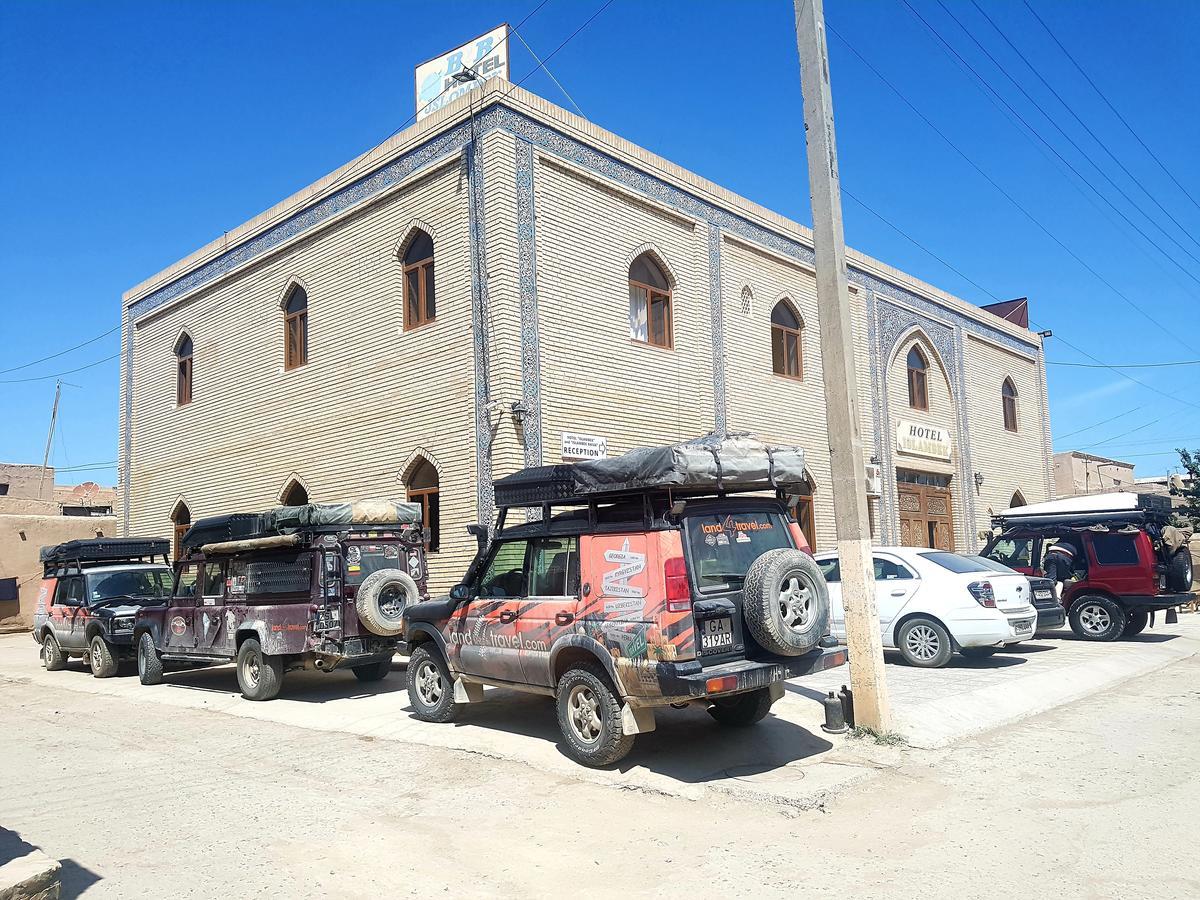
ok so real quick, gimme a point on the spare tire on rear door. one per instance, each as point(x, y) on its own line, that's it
point(382, 598)
point(1179, 570)
point(785, 602)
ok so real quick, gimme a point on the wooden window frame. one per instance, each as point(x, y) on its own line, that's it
point(421, 496)
point(183, 379)
point(785, 333)
point(652, 293)
point(423, 279)
point(1008, 404)
point(295, 352)
point(918, 383)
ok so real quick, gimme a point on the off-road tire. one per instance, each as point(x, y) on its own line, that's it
point(1179, 570)
point(382, 598)
point(376, 671)
point(1095, 617)
point(977, 652)
point(1136, 623)
point(259, 675)
point(585, 687)
point(786, 586)
point(101, 657)
point(430, 687)
point(924, 643)
point(53, 657)
point(149, 662)
point(741, 710)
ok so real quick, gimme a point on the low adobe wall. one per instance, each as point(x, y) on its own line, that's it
point(21, 538)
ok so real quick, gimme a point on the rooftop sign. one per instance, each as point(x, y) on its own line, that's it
point(486, 56)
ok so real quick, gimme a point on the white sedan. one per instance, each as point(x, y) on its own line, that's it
point(932, 602)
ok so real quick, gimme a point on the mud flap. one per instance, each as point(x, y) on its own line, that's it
point(637, 720)
point(775, 691)
point(467, 692)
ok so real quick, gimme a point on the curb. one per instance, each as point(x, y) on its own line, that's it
point(33, 876)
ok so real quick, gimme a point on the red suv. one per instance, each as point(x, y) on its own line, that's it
point(1124, 561)
point(630, 585)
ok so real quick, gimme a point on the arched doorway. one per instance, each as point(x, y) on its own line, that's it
point(423, 486)
point(295, 494)
point(1017, 500)
point(181, 520)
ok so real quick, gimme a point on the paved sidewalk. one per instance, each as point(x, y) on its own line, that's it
point(786, 759)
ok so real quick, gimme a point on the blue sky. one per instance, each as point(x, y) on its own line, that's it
point(136, 132)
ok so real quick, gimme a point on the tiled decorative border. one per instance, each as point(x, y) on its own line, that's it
point(717, 323)
point(531, 363)
point(477, 228)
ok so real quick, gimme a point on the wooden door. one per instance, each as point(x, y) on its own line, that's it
point(926, 516)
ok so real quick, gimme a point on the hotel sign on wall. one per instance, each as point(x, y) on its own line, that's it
point(920, 439)
point(486, 56)
point(583, 446)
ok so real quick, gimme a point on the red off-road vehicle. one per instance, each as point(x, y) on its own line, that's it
point(1125, 562)
point(631, 584)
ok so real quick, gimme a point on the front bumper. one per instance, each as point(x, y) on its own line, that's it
point(692, 681)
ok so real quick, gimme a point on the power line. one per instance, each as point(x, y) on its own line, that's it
point(537, 58)
point(58, 374)
point(542, 63)
point(1095, 137)
point(1108, 103)
point(1096, 424)
point(1162, 365)
point(61, 352)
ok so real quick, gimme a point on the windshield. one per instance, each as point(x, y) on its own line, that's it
point(958, 563)
point(724, 545)
point(363, 559)
point(150, 582)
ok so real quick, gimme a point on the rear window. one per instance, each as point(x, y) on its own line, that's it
point(363, 559)
point(960, 565)
point(724, 545)
point(1115, 549)
point(993, 565)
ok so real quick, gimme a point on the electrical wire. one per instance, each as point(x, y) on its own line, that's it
point(1109, 104)
point(1096, 424)
point(1162, 365)
point(90, 365)
point(116, 327)
point(533, 53)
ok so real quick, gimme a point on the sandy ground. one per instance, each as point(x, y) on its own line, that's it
point(1093, 800)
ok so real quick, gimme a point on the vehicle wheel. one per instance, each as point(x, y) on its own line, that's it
point(977, 652)
point(1097, 618)
point(1179, 570)
point(53, 657)
point(150, 666)
point(589, 714)
point(1136, 624)
point(375, 671)
point(786, 602)
point(741, 709)
point(101, 658)
point(924, 643)
point(430, 687)
point(382, 599)
point(260, 675)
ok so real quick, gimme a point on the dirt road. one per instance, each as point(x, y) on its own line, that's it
point(1096, 800)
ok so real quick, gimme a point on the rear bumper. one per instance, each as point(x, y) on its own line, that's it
point(684, 683)
point(1157, 601)
point(1051, 617)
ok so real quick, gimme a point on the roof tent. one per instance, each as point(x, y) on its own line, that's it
point(1117, 508)
point(98, 551)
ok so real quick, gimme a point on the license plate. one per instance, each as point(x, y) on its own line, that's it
point(716, 635)
point(1023, 627)
point(1043, 595)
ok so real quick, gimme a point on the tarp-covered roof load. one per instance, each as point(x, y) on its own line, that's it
point(714, 463)
point(284, 520)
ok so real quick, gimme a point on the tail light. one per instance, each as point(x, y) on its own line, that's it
point(679, 592)
point(982, 592)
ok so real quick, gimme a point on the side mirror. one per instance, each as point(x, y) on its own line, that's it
point(460, 592)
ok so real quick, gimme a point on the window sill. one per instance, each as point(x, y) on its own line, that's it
point(795, 379)
point(635, 342)
point(408, 329)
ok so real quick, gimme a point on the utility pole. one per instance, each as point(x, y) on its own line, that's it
point(50, 437)
point(871, 706)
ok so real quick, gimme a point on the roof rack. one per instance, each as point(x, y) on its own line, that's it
point(314, 518)
point(102, 551)
point(1113, 509)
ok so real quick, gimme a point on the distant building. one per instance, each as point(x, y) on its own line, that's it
point(1076, 473)
point(1166, 485)
point(35, 512)
point(506, 284)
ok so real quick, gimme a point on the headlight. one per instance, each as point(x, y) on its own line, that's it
point(123, 623)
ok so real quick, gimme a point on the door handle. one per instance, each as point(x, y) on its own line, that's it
point(507, 616)
point(898, 593)
point(563, 618)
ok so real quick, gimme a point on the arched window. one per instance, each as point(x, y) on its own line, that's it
point(422, 484)
point(649, 303)
point(918, 385)
point(787, 352)
point(1008, 399)
point(181, 520)
point(183, 370)
point(420, 306)
point(295, 319)
point(1017, 500)
point(295, 495)
point(747, 300)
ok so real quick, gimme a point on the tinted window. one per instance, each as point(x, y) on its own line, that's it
point(505, 575)
point(831, 569)
point(993, 565)
point(723, 546)
point(554, 569)
point(960, 565)
point(1115, 549)
point(130, 583)
point(888, 570)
